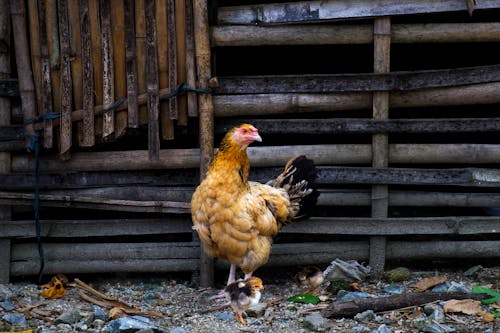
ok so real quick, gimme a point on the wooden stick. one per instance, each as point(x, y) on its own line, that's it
point(88, 135)
point(162, 27)
point(206, 112)
point(192, 100)
point(119, 61)
point(66, 82)
point(108, 69)
point(131, 64)
point(152, 82)
point(395, 302)
point(26, 85)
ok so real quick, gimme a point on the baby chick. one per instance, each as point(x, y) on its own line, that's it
point(242, 294)
point(310, 276)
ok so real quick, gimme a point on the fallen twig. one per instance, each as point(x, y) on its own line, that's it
point(215, 308)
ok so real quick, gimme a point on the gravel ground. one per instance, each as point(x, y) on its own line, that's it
point(188, 309)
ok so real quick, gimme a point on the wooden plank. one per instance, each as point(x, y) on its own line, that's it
point(88, 135)
point(9, 87)
point(206, 113)
point(97, 66)
point(162, 31)
point(5, 249)
point(192, 99)
point(98, 228)
point(269, 104)
point(54, 65)
point(36, 63)
point(66, 82)
point(140, 38)
point(335, 154)
point(24, 73)
point(131, 64)
point(108, 88)
point(180, 29)
point(152, 82)
point(398, 250)
point(311, 34)
point(381, 81)
point(119, 62)
point(363, 126)
point(334, 9)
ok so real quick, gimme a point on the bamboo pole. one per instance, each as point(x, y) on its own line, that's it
point(163, 33)
point(380, 141)
point(180, 28)
point(25, 75)
point(97, 66)
point(236, 35)
point(54, 53)
point(5, 119)
point(108, 88)
point(119, 62)
point(192, 100)
point(337, 154)
point(78, 82)
point(36, 62)
point(131, 64)
point(65, 123)
point(172, 57)
point(206, 112)
point(87, 131)
point(140, 39)
point(152, 82)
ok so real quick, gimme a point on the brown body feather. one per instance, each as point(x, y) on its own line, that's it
point(237, 219)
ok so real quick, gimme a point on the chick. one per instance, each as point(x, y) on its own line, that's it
point(310, 276)
point(242, 294)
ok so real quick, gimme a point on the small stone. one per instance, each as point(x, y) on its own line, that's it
point(224, 315)
point(421, 321)
point(7, 305)
point(383, 329)
point(394, 289)
point(46, 330)
point(64, 328)
point(99, 313)
point(365, 316)
point(17, 319)
point(433, 329)
point(473, 270)
point(398, 274)
point(68, 317)
point(360, 328)
point(458, 287)
point(98, 323)
point(316, 322)
point(177, 330)
point(443, 287)
point(257, 310)
point(435, 313)
point(127, 324)
point(353, 296)
point(145, 330)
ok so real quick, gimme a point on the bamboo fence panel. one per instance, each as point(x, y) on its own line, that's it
point(152, 82)
point(36, 62)
point(66, 82)
point(97, 65)
point(172, 57)
point(181, 39)
point(119, 62)
point(140, 33)
point(192, 100)
point(164, 62)
point(75, 41)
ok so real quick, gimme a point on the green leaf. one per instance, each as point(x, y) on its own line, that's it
point(304, 298)
point(496, 314)
point(483, 290)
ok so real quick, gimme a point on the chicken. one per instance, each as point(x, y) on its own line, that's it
point(241, 295)
point(236, 219)
point(310, 276)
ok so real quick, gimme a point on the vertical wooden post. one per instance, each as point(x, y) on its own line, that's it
point(380, 146)
point(5, 160)
point(88, 136)
point(108, 71)
point(192, 101)
point(206, 113)
point(131, 64)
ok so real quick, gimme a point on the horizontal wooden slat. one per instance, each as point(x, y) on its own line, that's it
point(263, 157)
point(335, 34)
point(363, 126)
point(335, 9)
point(394, 81)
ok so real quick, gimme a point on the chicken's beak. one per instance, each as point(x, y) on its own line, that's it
point(257, 137)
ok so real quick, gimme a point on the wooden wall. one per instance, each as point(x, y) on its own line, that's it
point(406, 141)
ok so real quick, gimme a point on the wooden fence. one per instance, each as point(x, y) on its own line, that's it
point(407, 159)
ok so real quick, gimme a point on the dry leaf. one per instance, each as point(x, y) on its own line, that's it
point(488, 317)
point(467, 306)
point(355, 286)
point(116, 313)
point(429, 282)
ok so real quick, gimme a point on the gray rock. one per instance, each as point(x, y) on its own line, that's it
point(360, 328)
point(458, 287)
point(316, 322)
point(128, 324)
point(257, 310)
point(68, 317)
point(443, 287)
point(347, 270)
point(394, 289)
point(365, 316)
point(64, 328)
point(146, 330)
point(433, 329)
point(17, 319)
point(383, 329)
point(421, 321)
point(224, 315)
point(7, 305)
point(99, 313)
point(177, 330)
point(353, 296)
point(5, 292)
point(47, 330)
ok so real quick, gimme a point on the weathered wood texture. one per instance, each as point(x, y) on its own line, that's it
point(332, 9)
